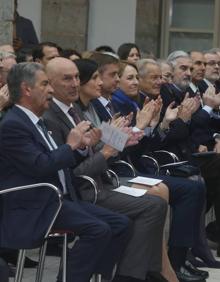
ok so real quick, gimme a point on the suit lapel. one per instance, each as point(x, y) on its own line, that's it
point(101, 110)
point(30, 125)
point(60, 114)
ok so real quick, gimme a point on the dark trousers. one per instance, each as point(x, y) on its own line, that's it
point(210, 171)
point(187, 198)
point(103, 235)
point(4, 271)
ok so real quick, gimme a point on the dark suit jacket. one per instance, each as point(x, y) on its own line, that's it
point(203, 86)
point(101, 110)
point(93, 165)
point(178, 139)
point(26, 159)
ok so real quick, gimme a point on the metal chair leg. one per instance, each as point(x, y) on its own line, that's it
point(20, 266)
point(64, 258)
point(40, 268)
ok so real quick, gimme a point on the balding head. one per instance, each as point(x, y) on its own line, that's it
point(56, 65)
point(64, 78)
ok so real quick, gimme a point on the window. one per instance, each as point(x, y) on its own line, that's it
point(189, 25)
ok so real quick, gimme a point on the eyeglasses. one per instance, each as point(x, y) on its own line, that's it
point(213, 63)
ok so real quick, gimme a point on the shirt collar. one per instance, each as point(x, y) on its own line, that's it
point(104, 101)
point(193, 87)
point(143, 93)
point(62, 106)
point(177, 87)
point(29, 113)
point(207, 82)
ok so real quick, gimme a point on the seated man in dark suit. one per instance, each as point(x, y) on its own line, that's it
point(29, 155)
point(205, 122)
point(198, 72)
point(212, 75)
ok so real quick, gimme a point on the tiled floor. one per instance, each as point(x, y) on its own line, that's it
point(52, 264)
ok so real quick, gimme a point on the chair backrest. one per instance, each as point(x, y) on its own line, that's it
point(39, 185)
point(123, 168)
point(164, 157)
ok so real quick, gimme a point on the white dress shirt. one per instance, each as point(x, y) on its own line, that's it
point(65, 109)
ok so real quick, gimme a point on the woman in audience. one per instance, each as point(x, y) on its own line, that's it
point(129, 52)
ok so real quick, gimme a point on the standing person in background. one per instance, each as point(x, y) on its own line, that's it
point(24, 34)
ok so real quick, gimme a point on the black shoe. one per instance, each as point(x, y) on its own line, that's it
point(193, 270)
point(185, 276)
point(194, 261)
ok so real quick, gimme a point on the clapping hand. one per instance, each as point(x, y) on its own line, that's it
point(186, 108)
point(170, 115)
point(144, 116)
point(95, 136)
point(157, 110)
point(79, 137)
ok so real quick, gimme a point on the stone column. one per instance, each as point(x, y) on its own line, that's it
point(148, 17)
point(6, 19)
point(65, 22)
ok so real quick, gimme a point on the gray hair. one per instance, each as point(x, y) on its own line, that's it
point(5, 55)
point(143, 63)
point(171, 59)
point(22, 72)
point(162, 62)
point(212, 51)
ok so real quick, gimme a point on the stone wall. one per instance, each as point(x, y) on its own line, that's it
point(6, 18)
point(65, 22)
point(148, 17)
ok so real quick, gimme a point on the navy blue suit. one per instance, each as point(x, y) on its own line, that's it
point(101, 110)
point(25, 158)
